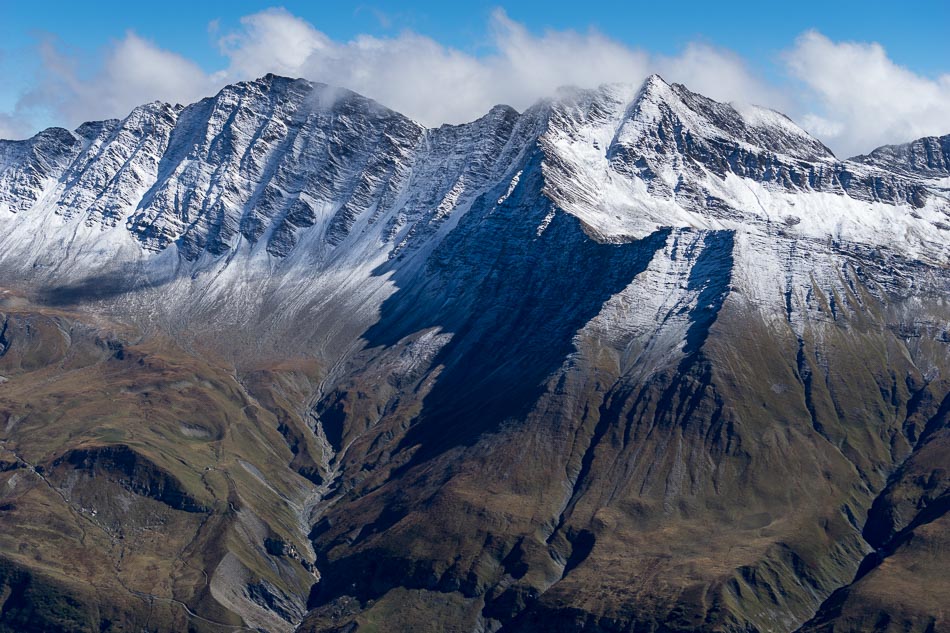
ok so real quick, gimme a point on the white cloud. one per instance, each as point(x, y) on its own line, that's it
point(133, 71)
point(14, 125)
point(436, 84)
point(862, 99)
point(857, 97)
point(527, 66)
point(411, 73)
point(272, 41)
point(722, 75)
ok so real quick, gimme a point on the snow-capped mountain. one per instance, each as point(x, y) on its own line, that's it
point(625, 312)
point(264, 166)
point(267, 166)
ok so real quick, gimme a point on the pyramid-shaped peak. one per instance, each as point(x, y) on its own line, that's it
point(655, 81)
point(656, 96)
point(659, 102)
point(655, 87)
point(270, 81)
point(655, 84)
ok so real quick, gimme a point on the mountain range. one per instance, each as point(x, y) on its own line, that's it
point(630, 360)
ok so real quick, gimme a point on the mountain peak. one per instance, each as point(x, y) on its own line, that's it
point(654, 82)
point(655, 90)
point(928, 157)
point(275, 160)
point(746, 124)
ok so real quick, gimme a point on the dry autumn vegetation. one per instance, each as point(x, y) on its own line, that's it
point(146, 486)
point(143, 485)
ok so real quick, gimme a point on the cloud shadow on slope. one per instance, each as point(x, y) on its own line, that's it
point(102, 286)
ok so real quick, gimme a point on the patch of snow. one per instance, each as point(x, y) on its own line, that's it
point(511, 187)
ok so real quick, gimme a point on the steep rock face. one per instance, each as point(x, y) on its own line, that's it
point(29, 166)
point(107, 179)
point(927, 157)
point(630, 360)
point(263, 160)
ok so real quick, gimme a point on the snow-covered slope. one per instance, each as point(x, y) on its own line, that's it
point(281, 197)
point(264, 165)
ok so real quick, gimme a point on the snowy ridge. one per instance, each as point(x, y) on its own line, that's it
point(928, 157)
point(279, 198)
point(679, 159)
point(262, 161)
point(650, 318)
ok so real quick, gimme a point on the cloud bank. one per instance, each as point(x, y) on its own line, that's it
point(863, 99)
point(851, 95)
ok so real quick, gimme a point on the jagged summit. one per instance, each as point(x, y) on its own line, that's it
point(265, 165)
point(658, 103)
point(927, 157)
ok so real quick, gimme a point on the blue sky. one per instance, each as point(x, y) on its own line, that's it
point(916, 33)
point(761, 38)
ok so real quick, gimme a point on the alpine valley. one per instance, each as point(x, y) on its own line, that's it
point(631, 360)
